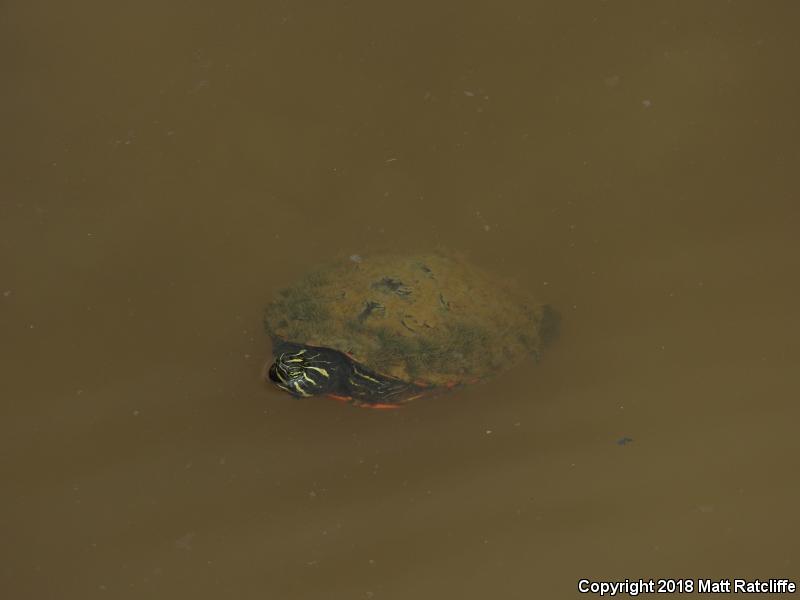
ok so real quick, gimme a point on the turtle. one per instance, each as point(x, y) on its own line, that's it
point(380, 331)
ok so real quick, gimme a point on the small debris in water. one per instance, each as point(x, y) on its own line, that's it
point(202, 84)
point(185, 542)
point(486, 226)
point(647, 103)
point(612, 81)
point(624, 440)
point(469, 93)
point(356, 258)
point(6, 293)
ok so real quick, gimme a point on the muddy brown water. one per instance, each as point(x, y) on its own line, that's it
point(167, 167)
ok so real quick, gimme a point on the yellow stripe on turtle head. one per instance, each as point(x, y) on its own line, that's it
point(319, 370)
point(365, 376)
point(299, 389)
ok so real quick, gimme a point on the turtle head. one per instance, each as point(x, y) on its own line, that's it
point(304, 371)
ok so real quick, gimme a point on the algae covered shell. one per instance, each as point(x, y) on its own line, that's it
point(429, 319)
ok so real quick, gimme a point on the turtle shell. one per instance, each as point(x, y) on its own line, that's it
point(431, 319)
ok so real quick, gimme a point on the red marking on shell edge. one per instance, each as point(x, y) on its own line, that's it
point(378, 406)
point(340, 398)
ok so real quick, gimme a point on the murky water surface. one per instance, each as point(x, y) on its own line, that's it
point(168, 167)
